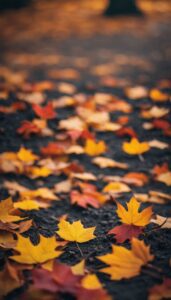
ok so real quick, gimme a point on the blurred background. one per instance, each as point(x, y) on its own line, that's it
point(123, 39)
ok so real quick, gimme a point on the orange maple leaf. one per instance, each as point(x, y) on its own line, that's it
point(132, 216)
point(125, 263)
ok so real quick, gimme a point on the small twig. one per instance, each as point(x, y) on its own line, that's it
point(154, 268)
point(80, 250)
point(148, 272)
point(157, 227)
point(141, 157)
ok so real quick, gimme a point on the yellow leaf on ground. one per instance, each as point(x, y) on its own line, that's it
point(141, 251)
point(93, 148)
point(132, 216)
point(26, 155)
point(134, 147)
point(75, 232)
point(6, 208)
point(116, 187)
point(34, 254)
point(27, 205)
point(79, 269)
point(40, 172)
point(91, 282)
point(125, 263)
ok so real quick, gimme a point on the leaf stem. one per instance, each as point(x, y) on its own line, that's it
point(141, 157)
point(79, 249)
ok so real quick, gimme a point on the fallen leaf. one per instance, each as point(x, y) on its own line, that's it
point(79, 269)
point(134, 147)
point(6, 212)
point(125, 263)
point(132, 216)
point(91, 282)
point(158, 96)
point(26, 155)
point(93, 148)
point(75, 232)
point(116, 187)
point(34, 254)
point(125, 232)
point(158, 144)
point(165, 178)
point(163, 222)
point(47, 112)
point(104, 162)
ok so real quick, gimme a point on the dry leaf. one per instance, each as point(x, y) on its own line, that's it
point(75, 232)
point(104, 162)
point(134, 147)
point(34, 254)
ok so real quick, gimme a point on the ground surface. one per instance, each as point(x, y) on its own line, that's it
point(97, 56)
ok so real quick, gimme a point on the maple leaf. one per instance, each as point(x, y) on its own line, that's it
point(125, 263)
point(27, 128)
point(92, 198)
point(93, 148)
point(79, 269)
point(91, 282)
point(104, 162)
point(60, 279)
point(75, 232)
point(132, 216)
point(46, 112)
point(133, 220)
point(125, 232)
point(134, 147)
point(6, 212)
point(26, 155)
point(27, 205)
point(116, 187)
point(165, 178)
point(34, 254)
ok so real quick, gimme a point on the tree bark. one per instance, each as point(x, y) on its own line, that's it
point(122, 7)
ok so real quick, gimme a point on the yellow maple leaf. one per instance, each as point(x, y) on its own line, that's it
point(132, 216)
point(134, 147)
point(43, 193)
point(75, 232)
point(116, 187)
point(39, 172)
point(93, 148)
point(91, 282)
point(6, 208)
point(79, 269)
point(34, 254)
point(27, 205)
point(125, 263)
point(141, 250)
point(26, 155)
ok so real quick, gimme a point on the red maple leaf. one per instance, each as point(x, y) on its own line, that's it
point(46, 112)
point(27, 128)
point(125, 232)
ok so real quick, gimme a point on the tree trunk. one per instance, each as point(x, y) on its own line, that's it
point(122, 7)
point(13, 4)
